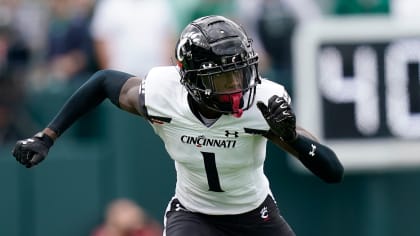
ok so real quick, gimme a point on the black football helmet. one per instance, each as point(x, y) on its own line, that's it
point(218, 65)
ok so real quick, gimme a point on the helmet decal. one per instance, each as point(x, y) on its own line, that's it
point(196, 39)
point(179, 47)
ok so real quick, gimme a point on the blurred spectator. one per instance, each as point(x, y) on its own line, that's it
point(277, 22)
point(14, 62)
point(133, 35)
point(15, 48)
point(65, 61)
point(125, 218)
point(27, 18)
point(247, 14)
point(14, 56)
point(70, 57)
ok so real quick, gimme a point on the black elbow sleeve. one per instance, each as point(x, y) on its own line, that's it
point(112, 82)
point(319, 159)
point(101, 85)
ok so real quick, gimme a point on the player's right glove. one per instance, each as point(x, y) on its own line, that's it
point(31, 151)
point(280, 117)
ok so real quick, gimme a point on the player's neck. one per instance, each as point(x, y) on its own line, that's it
point(209, 114)
point(203, 110)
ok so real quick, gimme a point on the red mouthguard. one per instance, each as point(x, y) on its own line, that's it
point(235, 99)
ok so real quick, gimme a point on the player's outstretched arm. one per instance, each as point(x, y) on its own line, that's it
point(318, 158)
point(119, 87)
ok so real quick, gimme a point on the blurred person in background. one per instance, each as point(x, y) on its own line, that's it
point(248, 13)
point(15, 56)
point(276, 24)
point(66, 61)
point(214, 114)
point(123, 30)
point(124, 217)
point(69, 46)
point(27, 18)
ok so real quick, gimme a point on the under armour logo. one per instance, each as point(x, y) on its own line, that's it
point(264, 213)
point(142, 88)
point(312, 152)
point(29, 140)
point(235, 134)
point(179, 207)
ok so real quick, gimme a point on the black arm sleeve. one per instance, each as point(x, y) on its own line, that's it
point(103, 84)
point(319, 159)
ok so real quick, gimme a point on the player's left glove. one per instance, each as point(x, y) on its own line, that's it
point(280, 117)
point(31, 151)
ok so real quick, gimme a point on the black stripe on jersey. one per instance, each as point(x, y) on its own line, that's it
point(255, 131)
point(142, 99)
point(159, 119)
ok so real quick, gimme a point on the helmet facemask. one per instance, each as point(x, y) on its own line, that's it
point(229, 91)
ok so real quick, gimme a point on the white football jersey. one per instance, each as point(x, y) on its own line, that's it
point(219, 168)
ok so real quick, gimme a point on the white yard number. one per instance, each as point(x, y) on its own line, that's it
point(362, 88)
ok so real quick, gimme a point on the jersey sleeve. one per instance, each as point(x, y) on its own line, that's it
point(268, 88)
point(156, 91)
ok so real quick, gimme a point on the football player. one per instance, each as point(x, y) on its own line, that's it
point(214, 114)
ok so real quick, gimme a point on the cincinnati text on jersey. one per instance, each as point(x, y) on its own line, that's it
point(201, 141)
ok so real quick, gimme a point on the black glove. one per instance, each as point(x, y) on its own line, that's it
point(31, 151)
point(280, 117)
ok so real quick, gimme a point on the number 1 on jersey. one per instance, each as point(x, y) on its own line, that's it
point(211, 171)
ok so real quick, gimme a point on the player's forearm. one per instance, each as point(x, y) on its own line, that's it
point(318, 158)
point(101, 85)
